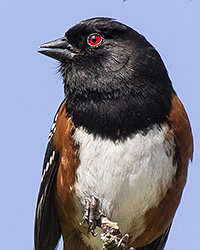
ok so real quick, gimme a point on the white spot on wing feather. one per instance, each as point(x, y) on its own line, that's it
point(49, 163)
point(53, 128)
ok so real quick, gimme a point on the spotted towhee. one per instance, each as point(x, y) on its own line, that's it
point(120, 135)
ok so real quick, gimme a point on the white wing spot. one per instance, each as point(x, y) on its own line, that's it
point(52, 158)
point(48, 165)
point(53, 128)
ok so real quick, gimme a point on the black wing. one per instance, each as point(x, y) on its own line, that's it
point(157, 244)
point(47, 227)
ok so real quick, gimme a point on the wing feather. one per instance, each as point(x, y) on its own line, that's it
point(47, 229)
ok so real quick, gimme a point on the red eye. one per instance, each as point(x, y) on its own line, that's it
point(94, 40)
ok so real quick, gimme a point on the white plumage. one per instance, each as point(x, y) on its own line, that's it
point(127, 177)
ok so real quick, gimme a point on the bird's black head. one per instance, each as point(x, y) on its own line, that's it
point(115, 81)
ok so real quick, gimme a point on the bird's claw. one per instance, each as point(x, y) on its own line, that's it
point(92, 215)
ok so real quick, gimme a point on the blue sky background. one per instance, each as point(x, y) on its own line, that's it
point(31, 91)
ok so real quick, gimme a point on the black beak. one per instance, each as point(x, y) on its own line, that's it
point(58, 49)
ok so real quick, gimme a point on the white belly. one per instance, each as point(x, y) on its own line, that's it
point(127, 177)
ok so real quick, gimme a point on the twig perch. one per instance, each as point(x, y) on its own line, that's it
point(111, 237)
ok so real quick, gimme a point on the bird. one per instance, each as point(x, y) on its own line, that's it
point(120, 136)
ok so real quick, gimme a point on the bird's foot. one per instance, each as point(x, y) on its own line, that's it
point(92, 215)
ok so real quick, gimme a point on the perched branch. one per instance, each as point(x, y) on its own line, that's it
point(111, 237)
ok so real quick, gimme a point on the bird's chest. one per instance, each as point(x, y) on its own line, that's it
point(127, 177)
